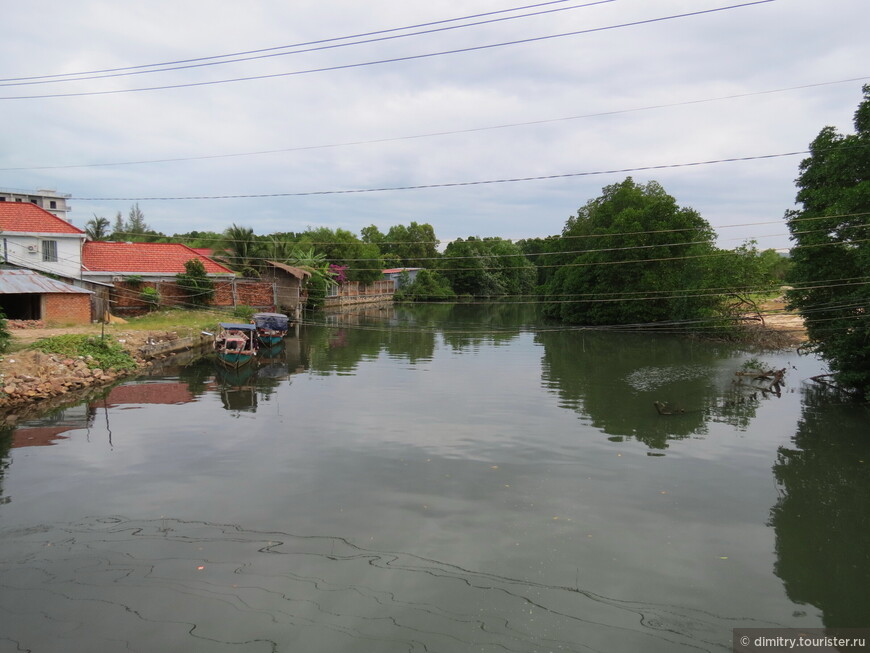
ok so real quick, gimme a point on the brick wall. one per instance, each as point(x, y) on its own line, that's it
point(66, 308)
point(227, 294)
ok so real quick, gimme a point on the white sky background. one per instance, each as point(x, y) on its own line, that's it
point(748, 50)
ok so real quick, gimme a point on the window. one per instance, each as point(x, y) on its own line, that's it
point(52, 204)
point(49, 250)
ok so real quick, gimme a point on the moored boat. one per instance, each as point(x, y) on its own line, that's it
point(271, 327)
point(236, 344)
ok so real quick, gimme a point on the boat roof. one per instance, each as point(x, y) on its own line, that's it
point(238, 326)
point(269, 315)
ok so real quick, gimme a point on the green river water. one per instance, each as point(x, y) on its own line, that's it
point(439, 478)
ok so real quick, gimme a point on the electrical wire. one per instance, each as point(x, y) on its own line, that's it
point(439, 133)
point(71, 77)
point(378, 62)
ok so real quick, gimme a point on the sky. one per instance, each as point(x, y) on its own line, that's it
point(481, 118)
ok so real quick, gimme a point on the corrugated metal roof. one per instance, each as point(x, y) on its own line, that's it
point(25, 282)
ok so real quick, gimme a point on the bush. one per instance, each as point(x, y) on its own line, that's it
point(195, 283)
point(151, 297)
point(102, 353)
point(4, 333)
point(243, 313)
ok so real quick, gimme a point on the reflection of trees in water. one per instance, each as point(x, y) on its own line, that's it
point(113, 584)
point(5, 461)
point(616, 379)
point(411, 332)
point(822, 519)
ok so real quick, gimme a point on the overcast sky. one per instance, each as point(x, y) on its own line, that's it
point(665, 91)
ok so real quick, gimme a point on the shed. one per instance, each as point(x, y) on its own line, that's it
point(28, 295)
point(290, 292)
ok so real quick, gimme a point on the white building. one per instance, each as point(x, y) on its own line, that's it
point(50, 200)
point(31, 237)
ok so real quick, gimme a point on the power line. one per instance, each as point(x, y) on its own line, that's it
point(282, 47)
point(440, 133)
point(315, 47)
point(448, 184)
point(377, 62)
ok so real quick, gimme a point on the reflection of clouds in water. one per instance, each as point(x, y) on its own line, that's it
point(651, 378)
point(114, 584)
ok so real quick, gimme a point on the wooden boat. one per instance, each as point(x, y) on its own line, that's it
point(271, 327)
point(236, 344)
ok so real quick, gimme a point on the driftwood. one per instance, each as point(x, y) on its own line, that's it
point(820, 379)
point(664, 409)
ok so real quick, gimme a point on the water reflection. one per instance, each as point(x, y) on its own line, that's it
point(653, 389)
point(822, 519)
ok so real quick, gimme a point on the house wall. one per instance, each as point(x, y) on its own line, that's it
point(25, 250)
point(64, 308)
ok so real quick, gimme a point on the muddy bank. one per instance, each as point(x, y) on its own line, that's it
point(33, 381)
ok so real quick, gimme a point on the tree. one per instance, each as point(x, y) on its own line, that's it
point(242, 250)
point(343, 248)
point(487, 267)
point(832, 249)
point(97, 228)
point(416, 244)
point(629, 256)
point(195, 282)
point(428, 286)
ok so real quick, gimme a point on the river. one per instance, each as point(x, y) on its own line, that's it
point(439, 478)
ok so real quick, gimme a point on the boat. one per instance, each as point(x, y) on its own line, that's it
point(236, 343)
point(271, 327)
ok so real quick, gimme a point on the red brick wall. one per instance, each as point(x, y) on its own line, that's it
point(257, 294)
point(66, 308)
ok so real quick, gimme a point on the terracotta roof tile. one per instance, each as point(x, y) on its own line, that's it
point(159, 258)
point(27, 217)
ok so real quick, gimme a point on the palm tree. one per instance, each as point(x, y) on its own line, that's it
point(242, 251)
point(313, 262)
point(97, 228)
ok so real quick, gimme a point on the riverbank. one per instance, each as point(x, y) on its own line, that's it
point(31, 379)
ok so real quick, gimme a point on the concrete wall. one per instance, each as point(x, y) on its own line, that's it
point(26, 251)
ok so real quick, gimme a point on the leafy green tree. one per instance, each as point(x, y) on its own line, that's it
point(97, 228)
point(242, 250)
point(487, 267)
point(415, 245)
point(428, 286)
point(633, 241)
point(343, 248)
point(832, 249)
point(195, 282)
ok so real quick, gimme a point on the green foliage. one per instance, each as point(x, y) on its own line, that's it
point(97, 228)
point(151, 297)
point(632, 242)
point(343, 248)
point(242, 250)
point(428, 286)
point(487, 267)
point(102, 353)
point(832, 249)
point(415, 245)
point(244, 313)
point(134, 280)
point(195, 282)
point(5, 337)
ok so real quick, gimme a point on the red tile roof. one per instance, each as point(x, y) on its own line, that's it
point(159, 258)
point(27, 217)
